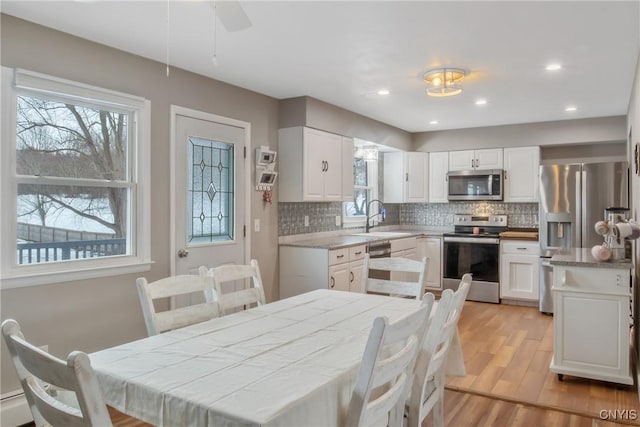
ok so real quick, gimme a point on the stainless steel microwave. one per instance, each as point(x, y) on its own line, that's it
point(476, 184)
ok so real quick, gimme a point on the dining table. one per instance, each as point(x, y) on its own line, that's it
point(292, 362)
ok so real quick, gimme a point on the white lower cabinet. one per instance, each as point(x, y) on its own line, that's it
point(304, 269)
point(519, 270)
point(591, 323)
point(404, 248)
point(431, 247)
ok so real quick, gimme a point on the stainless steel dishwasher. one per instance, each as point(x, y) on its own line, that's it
point(379, 249)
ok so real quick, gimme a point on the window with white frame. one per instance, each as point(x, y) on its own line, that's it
point(365, 188)
point(73, 175)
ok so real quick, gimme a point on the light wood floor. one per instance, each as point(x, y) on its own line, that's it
point(507, 351)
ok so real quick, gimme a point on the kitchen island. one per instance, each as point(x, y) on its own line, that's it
point(592, 317)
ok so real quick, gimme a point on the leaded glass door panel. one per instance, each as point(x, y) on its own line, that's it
point(209, 194)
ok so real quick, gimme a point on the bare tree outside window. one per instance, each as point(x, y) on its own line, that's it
point(364, 189)
point(81, 150)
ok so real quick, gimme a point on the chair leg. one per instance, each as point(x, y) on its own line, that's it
point(438, 408)
point(438, 413)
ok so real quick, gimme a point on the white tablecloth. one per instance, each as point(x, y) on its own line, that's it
point(289, 363)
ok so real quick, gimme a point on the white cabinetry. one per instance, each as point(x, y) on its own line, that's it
point(431, 247)
point(348, 169)
point(304, 269)
point(591, 323)
point(438, 184)
point(519, 270)
point(521, 174)
point(404, 248)
point(475, 159)
point(405, 177)
point(312, 165)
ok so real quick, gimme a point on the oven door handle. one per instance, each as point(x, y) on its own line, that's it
point(488, 241)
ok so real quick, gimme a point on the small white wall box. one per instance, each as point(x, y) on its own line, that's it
point(265, 156)
point(265, 168)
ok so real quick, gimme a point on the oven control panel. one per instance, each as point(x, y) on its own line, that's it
point(480, 220)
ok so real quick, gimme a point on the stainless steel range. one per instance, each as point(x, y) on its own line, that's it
point(474, 247)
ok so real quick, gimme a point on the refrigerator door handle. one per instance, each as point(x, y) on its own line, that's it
point(580, 212)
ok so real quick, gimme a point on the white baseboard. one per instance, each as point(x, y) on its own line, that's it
point(14, 411)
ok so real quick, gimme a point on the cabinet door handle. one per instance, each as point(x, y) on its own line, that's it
point(327, 169)
point(505, 175)
point(522, 249)
point(340, 256)
point(472, 163)
point(358, 253)
point(406, 177)
point(333, 283)
point(352, 277)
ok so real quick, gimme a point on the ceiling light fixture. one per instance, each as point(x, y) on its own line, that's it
point(383, 92)
point(444, 81)
point(481, 102)
point(553, 67)
point(433, 122)
point(570, 109)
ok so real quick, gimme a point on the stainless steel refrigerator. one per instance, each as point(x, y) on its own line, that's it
point(573, 198)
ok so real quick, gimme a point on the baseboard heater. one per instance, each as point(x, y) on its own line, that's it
point(14, 409)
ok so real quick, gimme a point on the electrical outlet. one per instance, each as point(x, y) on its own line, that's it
point(306, 220)
point(256, 225)
point(338, 221)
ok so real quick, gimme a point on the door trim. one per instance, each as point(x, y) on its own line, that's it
point(176, 111)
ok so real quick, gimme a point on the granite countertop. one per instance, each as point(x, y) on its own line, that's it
point(581, 257)
point(348, 240)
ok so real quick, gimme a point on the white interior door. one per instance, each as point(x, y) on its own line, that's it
point(208, 202)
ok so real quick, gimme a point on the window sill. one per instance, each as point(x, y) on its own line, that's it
point(73, 273)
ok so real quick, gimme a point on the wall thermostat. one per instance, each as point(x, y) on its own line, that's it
point(265, 156)
point(265, 168)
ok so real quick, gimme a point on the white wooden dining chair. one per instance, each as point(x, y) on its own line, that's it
point(427, 392)
point(242, 298)
point(384, 379)
point(38, 369)
point(162, 321)
point(400, 288)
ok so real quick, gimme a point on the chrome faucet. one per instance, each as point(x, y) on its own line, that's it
point(382, 212)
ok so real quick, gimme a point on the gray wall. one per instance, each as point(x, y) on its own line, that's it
point(583, 131)
point(306, 111)
point(100, 313)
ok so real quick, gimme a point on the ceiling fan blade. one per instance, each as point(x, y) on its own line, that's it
point(232, 15)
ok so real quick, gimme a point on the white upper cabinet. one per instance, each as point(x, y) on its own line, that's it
point(475, 159)
point(312, 165)
point(348, 169)
point(406, 177)
point(438, 184)
point(521, 166)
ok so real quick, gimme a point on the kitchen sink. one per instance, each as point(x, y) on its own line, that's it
point(389, 234)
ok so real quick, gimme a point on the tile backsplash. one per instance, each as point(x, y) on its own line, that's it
point(322, 214)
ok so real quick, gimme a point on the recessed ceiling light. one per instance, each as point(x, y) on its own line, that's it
point(433, 122)
point(553, 67)
point(570, 109)
point(383, 92)
point(481, 102)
